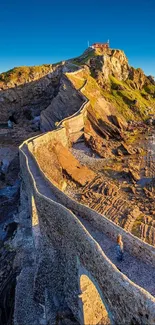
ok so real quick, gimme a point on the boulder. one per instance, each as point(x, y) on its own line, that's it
point(146, 96)
point(117, 121)
point(150, 121)
point(138, 78)
point(124, 149)
point(134, 175)
point(151, 79)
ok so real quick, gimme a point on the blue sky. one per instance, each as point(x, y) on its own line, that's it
point(46, 31)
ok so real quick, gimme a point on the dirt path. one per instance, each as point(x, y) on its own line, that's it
point(136, 270)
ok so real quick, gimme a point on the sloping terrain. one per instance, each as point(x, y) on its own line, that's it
point(112, 169)
point(122, 100)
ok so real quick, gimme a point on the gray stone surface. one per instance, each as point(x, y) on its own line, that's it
point(75, 241)
point(66, 103)
point(125, 301)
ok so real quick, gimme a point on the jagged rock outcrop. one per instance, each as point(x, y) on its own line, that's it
point(123, 149)
point(9, 183)
point(113, 62)
point(95, 141)
point(138, 78)
point(21, 75)
point(103, 118)
point(111, 70)
point(28, 96)
point(151, 78)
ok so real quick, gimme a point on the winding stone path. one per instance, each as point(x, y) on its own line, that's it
point(136, 270)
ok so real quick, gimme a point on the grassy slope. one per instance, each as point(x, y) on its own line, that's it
point(122, 98)
point(16, 75)
point(84, 58)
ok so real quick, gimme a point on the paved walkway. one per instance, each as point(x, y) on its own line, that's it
point(136, 270)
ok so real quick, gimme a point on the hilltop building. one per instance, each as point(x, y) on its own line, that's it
point(100, 46)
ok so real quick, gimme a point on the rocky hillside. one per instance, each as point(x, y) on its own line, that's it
point(128, 89)
point(38, 98)
point(66, 102)
point(21, 75)
point(27, 91)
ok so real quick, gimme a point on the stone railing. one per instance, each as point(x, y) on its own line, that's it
point(79, 253)
point(61, 123)
point(74, 123)
point(132, 243)
point(79, 93)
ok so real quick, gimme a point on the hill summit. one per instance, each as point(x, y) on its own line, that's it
point(28, 91)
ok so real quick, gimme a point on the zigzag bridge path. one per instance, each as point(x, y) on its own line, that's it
point(83, 242)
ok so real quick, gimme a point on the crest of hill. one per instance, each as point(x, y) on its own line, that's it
point(21, 75)
point(106, 74)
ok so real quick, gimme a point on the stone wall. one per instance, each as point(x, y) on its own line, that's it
point(43, 140)
point(126, 302)
point(132, 243)
point(65, 104)
point(75, 124)
point(76, 253)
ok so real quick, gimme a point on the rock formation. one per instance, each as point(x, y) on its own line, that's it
point(65, 103)
point(95, 106)
point(27, 93)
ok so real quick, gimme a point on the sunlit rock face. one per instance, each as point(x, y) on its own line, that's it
point(26, 94)
point(116, 64)
point(112, 63)
point(138, 77)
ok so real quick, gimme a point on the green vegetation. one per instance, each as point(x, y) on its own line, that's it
point(123, 96)
point(19, 74)
point(130, 103)
point(84, 58)
point(78, 80)
point(91, 90)
point(150, 89)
